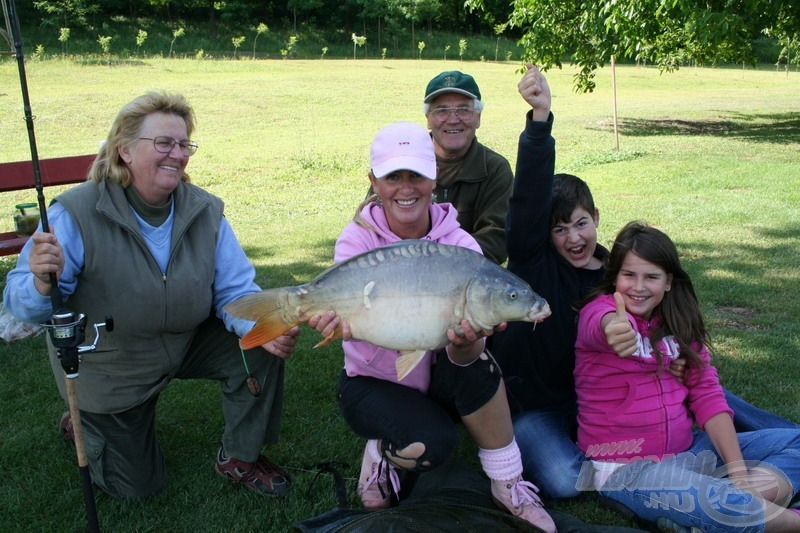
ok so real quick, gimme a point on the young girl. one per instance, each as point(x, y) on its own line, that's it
point(408, 424)
point(636, 418)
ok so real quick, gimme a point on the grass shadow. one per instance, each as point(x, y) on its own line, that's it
point(773, 128)
point(90, 61)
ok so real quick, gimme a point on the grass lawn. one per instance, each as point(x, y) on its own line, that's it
point(711, 156)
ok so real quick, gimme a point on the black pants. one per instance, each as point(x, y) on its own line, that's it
point(399, 415)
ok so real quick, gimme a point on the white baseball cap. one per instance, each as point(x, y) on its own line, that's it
point(403, 146)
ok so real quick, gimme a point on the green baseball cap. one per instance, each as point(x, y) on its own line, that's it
point(452, 81)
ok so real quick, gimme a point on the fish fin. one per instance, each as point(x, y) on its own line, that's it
point(407, 362)
point(264, 308)
point(367, 290)
point(337, 334)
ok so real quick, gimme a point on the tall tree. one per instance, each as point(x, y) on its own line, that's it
point(303, 6)
point(66, 12)
point(668, 33)
point(414, 11)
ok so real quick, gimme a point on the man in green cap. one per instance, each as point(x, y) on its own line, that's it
point(475, 179)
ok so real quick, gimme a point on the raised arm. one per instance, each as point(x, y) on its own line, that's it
point(528, 220)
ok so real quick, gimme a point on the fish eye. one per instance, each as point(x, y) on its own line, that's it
point(513, 295)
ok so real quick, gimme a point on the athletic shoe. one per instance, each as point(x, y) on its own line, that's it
point(377, 482)
point(65, 428)
point(520, 499)
point(262, 476)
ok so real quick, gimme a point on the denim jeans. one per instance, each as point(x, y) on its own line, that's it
point(690, 489)
point(550, 457)
point(553, 462)
point(748, 417)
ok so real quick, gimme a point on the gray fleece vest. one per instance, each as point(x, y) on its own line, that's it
point(155, 313)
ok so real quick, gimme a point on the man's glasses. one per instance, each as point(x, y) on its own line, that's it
point(166, 144)
point(443, 113)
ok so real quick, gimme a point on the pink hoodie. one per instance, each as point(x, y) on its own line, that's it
point(628, 407)
point(365, 359)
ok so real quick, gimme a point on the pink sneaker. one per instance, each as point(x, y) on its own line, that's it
point(521, 500)
point(377, 482)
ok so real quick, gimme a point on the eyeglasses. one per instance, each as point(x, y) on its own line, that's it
point(443, 113)
point(166, 144)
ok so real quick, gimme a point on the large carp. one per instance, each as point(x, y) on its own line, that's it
point(404, 296)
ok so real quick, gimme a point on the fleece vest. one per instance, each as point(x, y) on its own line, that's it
point(155, 313)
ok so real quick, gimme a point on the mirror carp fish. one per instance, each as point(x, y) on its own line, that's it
point(404, 297)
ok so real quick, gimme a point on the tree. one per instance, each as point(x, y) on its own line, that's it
point(237, 42)
point(302, 6)
point(63, 37)
point(358, 40)
point(178, 32)
point(105, 44)
point(262, 28)
point(141, 37)
point(668, 33)
point(411, 10)
point(67, 12)
point(371, 10)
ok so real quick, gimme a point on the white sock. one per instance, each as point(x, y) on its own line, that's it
point(374, 452)
point(502, 464)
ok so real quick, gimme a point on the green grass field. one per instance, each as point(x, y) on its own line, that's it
point(711, 156)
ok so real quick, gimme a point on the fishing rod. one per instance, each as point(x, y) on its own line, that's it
point(67, 329)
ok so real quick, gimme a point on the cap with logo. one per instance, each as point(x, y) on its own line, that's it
point(452, 81)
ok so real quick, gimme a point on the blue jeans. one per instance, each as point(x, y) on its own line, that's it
point(748, 417)
point(550, 457)
point(553, 462)
point(690, 489)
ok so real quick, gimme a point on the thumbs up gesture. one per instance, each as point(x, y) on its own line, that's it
point(618, 329)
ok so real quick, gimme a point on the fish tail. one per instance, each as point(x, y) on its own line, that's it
point(265, 309)
point(407, 362)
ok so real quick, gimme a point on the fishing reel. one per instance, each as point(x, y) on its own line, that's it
point(67, 331)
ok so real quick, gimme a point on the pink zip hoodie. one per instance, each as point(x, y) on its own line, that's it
point(365, 359)
point(628, 407)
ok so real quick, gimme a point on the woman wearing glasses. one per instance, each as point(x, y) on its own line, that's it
point(139, 242)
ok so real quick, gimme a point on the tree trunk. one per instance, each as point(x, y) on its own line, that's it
point(212, 22)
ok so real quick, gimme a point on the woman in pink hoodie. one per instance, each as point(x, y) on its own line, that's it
point(636, 419)
point(410, 425)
